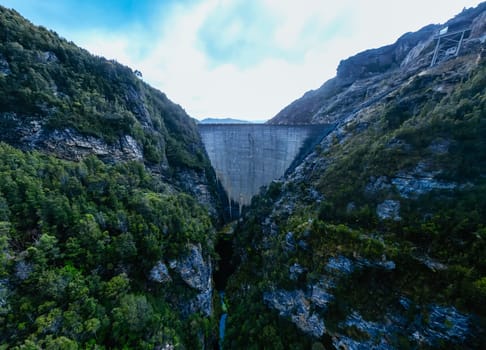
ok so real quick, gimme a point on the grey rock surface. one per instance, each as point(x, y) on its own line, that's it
point(71, 145)
point(193, 269)
point(420, 180)
point(47, 57)
point(23, 270)
point(196, 272)
point(4, 286)
point(29, 133)
point(160, 273)
point(377, 184)
point(196, 183)
point(432, 264)
point(320, 295)
point(388, 210)
point(295, 270)
point(312, 324)
point(296, 306)
point(340, 264)
point(442, 325)
point(4, 66)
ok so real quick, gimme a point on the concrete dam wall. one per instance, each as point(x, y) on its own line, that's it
point(246, 157)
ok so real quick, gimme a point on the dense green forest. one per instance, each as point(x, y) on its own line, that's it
point(81, 237)
point(78, 241)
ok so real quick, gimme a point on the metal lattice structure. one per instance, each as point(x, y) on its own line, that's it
point(448, 44)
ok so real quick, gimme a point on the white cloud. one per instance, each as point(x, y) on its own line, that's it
point(307, 33)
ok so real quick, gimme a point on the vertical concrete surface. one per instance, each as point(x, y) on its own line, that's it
point(246, 157)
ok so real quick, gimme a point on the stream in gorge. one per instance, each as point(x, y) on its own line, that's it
point(225, 268)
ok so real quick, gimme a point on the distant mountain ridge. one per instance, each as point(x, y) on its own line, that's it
point(223, 121)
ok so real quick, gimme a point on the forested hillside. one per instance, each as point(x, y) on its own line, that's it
point(50, 89)
point(107, 204)
point(81, 249)
point(377, 240)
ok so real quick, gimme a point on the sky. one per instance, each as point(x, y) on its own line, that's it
point(243, 59)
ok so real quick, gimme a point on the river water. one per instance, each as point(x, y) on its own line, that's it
point(222, 320)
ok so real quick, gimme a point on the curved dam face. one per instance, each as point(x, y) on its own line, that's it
point(246, 157)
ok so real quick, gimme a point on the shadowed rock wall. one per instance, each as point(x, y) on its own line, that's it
point(246, 157)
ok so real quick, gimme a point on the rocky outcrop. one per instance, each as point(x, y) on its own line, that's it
point(377, 61)
point(30, 133)
point(374, 331)
point(443, 324)
point(295, 271)
point(160, 273)
point(193, 269)
point(305, 308)
point(195, 182)
point(377, 184)
point(4, 66)
point(430, 263)
point(4, 285)
point(388, 210)
point(196, 272)
point(320, 294)
point(295, 305)
point(71, 145)
point(47, 57)
point(340, 264)
point(419, 180)
point(23, 270)
point(370, 76)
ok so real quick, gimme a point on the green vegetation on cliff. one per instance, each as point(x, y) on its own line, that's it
point(380, 236)
point(95, 254)
point(51, 81)
point(78, 242)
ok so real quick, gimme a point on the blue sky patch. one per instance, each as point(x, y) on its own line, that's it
point(241, 33)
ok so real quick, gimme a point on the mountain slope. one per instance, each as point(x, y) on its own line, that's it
point(106, 239)
point(376, 240)
point(52, 90)
point(368, 77)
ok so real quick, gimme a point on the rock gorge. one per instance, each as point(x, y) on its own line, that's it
point(113, 224)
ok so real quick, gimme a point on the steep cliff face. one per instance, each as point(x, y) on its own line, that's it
point(375, 240)
point(370, 76)
point(105, 190)
point(59, 99)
